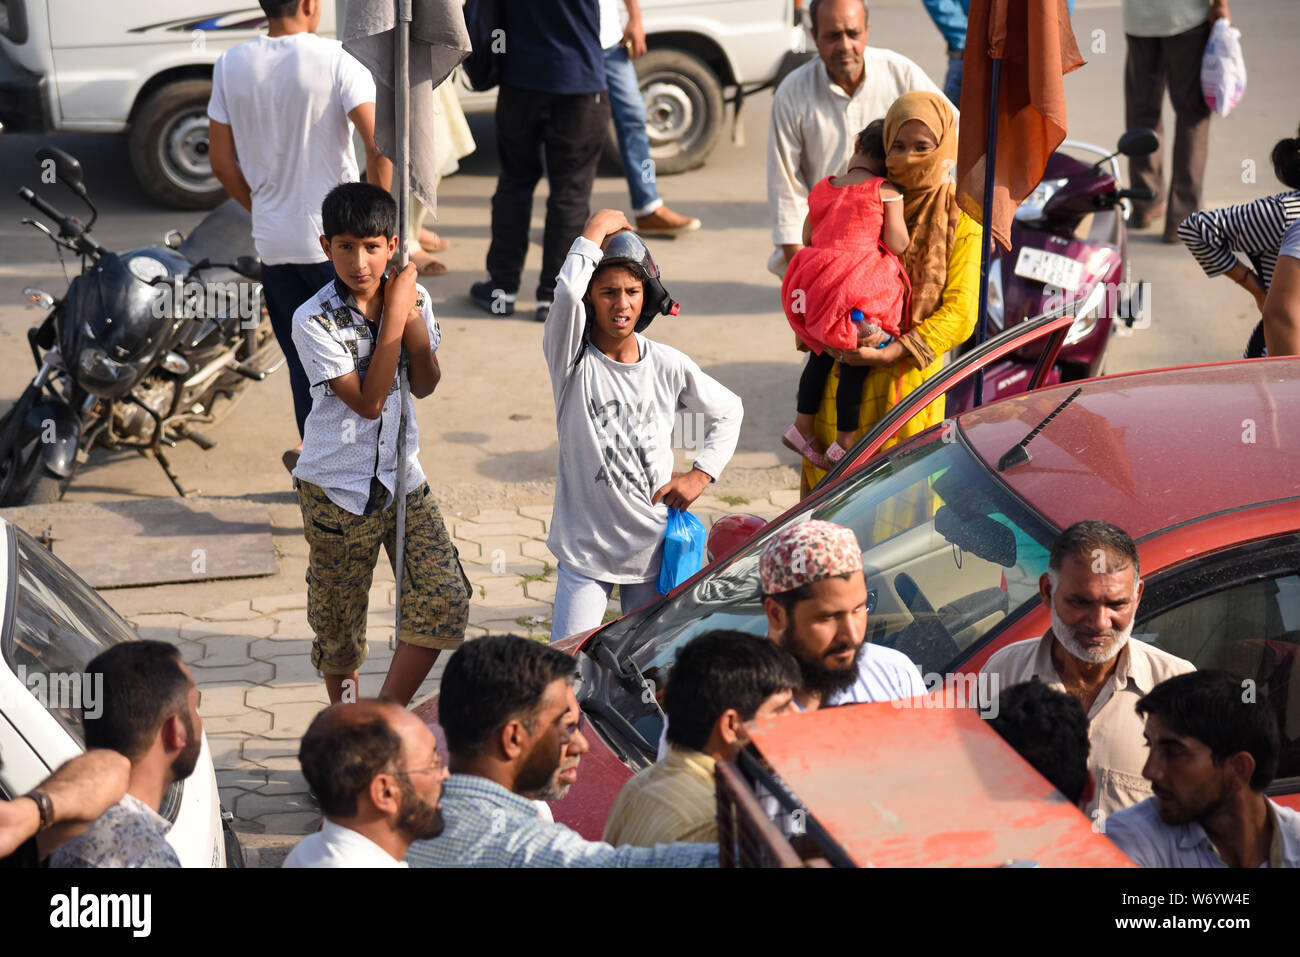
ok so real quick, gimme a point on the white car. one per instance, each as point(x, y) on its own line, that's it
point(145, 66)
point(51, 625)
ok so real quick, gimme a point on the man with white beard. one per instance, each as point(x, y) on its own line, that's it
point(1092, 588)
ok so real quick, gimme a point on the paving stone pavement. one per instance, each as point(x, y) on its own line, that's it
point(250, 656)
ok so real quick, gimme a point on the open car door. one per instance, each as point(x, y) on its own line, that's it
point(1049, 330)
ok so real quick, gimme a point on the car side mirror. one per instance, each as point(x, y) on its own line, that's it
point(66, 167)
point(1138, 142)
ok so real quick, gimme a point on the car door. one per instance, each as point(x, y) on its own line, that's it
point(1239, 610)
point(1049, 330)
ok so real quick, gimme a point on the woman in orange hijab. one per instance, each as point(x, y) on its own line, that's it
point(942, 262)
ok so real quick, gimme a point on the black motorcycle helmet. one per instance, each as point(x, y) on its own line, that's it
point(628, 249)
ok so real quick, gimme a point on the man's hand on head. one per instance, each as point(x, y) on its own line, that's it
point(683, 490)
point(606, 222)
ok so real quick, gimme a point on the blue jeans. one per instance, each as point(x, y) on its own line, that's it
point(285, 287)
point(629, 124)
point(952, 81)
point(580, 601)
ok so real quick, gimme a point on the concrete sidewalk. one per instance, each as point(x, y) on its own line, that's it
point(247, 643)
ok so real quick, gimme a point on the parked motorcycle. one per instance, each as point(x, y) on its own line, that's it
point(142, 348)
point(1069, 247)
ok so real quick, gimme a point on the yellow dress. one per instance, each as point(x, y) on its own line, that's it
point(947, 327)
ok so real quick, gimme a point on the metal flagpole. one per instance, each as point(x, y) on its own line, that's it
point(402, 187)
point(990, 163)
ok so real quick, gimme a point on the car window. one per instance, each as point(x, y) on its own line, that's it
point(1248, 625)
point(54, 627)
point(949, 554)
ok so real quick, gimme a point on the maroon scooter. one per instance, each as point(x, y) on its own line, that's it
point(1069, 248)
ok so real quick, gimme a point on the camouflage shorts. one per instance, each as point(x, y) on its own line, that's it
point(343, 550)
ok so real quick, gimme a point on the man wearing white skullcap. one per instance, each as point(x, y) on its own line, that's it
point(815, 596)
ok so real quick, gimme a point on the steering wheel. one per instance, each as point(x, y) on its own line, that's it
point(927, 638)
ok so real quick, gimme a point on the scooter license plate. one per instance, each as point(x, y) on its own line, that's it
point(1042, 266)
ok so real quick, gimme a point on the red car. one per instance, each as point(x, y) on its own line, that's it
point(1200, 465)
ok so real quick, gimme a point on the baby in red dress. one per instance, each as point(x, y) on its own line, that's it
point(844, 286)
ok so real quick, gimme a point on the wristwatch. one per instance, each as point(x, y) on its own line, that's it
point(45, 806)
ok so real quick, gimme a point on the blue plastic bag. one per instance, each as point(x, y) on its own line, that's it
point(683, 550)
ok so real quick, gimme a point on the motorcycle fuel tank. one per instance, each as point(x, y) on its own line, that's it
point(118, 316)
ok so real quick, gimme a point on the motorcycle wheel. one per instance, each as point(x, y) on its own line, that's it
point(46, 489)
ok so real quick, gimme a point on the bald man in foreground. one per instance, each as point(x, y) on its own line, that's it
point(375, 770)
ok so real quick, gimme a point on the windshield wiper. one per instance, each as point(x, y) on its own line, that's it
point(1018, 454)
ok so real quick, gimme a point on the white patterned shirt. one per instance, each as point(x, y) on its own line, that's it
point(128, 834)
point(489, 826)
point(341, 450)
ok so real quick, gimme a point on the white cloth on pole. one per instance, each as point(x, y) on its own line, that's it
point(439, 41)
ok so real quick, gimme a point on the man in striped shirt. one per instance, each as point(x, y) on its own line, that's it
point(510, 716)
point(720, 680)
point(815, 596)
point(1216, 236)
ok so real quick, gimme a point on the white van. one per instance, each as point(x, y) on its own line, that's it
point(146, 66)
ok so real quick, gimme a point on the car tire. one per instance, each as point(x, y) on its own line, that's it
point(169, 146)
point(684, 111)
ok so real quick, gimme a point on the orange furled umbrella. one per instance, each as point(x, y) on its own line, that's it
point(1026, 47)
point(1017, 52)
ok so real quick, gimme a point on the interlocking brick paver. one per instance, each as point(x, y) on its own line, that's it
point(191, 651)
point(254, 804)
point(274, 647)
point(222, 651)
point(272, 604)
point(235, 611)
point(300, 823)
point(284, 782)
point(261, 750)
point(540, 512)
point(223, 701)
point(248, 779)
point(253, 628)
point(784, 498)
point(226, 752)
point(160, 627)
point(250, 722)
point(541, 590)
point(292, 718)
point(539, 552)
point(270, 699)
point(258, 672)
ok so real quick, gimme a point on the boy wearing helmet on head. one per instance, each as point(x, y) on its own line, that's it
point(616, 397)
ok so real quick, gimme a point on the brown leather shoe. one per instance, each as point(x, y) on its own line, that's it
point(664, 222)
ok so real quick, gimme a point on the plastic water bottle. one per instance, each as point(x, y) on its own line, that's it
point(858, 317)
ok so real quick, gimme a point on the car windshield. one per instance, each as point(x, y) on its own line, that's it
point(949, 553)
point(55, 625)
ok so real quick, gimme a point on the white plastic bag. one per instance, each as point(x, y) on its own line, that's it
point(1223, 68)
